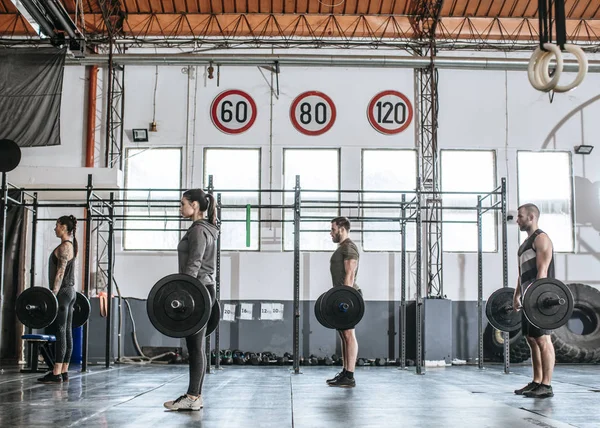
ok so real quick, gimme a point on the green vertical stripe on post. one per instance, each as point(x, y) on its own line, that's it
point(248, 214)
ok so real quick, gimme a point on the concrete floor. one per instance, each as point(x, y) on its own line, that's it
point(132, 396)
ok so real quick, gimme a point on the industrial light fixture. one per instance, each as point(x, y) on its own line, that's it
point(50, 19)
point(584, 149)
point(153, 124)
point(140, 135)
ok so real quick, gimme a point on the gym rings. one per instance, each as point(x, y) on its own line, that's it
point(538, 73)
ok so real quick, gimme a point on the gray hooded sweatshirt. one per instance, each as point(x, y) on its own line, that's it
point(197, 250)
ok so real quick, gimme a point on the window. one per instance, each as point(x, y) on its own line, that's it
point(237, 169)
point(319, 169)
point(156, 221)
point(468, 171)
point(384, 169)
point(544, 179)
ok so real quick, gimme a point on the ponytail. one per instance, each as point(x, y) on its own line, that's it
point(211, 211)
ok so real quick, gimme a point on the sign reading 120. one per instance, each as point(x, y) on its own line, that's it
point(390, 112)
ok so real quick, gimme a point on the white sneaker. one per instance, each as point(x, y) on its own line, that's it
point(185, 403)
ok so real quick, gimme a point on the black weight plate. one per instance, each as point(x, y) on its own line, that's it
point(46, 307)
point(342, 307)
point(10, 155)
point(496, 314)
point(215, 317)
point(186, 320)
point(541, 315)
point(81, 310)
point(318, 312)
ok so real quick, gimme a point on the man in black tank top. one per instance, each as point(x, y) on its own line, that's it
point(536, 261)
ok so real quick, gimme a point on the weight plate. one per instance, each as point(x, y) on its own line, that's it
point(10, 155)
point(318, 312)
point(499, 311)
point(215, 317)
point(342, 307)
point(42, 304)
point(539, 308)
point(81, 310)
point(178, 305)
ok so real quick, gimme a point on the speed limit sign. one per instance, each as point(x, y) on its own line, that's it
point(233, 111)
point(313, 113)
point(390, 112)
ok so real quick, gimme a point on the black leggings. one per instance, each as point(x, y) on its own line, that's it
point(64, 322)
point(196, 345)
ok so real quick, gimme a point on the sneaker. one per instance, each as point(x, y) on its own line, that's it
point(185, 403)
point(50, 378)
point(542, 391)
point(343, 382)
point(529, 387)
point(65, 377)
point(336, 377)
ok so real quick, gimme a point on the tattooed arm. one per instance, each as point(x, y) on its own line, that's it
point(63, 253)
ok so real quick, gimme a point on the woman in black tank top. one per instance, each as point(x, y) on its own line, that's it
point(61, 279)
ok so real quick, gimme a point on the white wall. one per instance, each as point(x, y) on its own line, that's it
point(501, 111)
point(478, 109)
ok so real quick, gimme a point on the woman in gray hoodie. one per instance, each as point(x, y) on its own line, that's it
point(196, 253)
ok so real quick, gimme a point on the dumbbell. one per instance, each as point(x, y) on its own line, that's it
point(238, 357)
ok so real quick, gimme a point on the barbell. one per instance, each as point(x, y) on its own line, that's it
point(340, 308)
point(547, 304)
point(179, 305)
point(37, 307)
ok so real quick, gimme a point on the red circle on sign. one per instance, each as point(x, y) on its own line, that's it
point(297, 101)
point(376, 125)
point(215, 117)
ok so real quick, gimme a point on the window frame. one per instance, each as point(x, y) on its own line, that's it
point(362, 188)
point(126, 189)
point(205, 183)
point(495, 212)
point(339, 179)
point(571, 199)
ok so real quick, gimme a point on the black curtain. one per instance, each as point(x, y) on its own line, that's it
point(30, 95)
point(12, 261)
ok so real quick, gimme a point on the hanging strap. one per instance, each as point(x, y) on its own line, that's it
point(545, 9)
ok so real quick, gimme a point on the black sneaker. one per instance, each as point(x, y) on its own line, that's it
point(65, 377)
point(50, 378)
point(529, 387)
point(343, 382)
point(336, 377)
point(542, 391)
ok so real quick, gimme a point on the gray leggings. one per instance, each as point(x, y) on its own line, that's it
point(64, 321)
point(197, 355)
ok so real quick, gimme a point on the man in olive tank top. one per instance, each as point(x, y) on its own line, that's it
point(536, 261)
point(344, 268)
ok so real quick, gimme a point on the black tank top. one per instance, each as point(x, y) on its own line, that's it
point(528, 261)
point(68, 278)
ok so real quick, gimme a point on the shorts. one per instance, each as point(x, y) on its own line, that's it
point(530, 330)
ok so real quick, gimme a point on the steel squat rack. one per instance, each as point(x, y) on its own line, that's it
point(103, 210)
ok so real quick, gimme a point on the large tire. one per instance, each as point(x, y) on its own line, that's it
point(493, 346)
point(580, 346)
